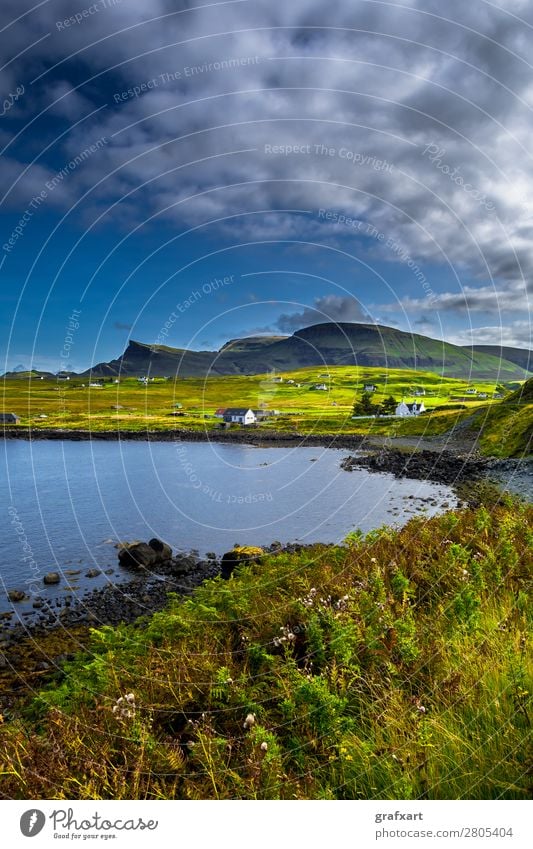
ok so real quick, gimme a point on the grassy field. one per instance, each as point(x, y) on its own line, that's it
point(348, 672)
point(71, 404)
point(131, 406)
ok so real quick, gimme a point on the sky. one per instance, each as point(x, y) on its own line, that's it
point(257, 166)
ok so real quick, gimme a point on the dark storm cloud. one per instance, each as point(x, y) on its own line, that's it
point(374, 83)
point(334, 308)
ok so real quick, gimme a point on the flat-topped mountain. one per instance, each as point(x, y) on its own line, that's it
point(326, 344)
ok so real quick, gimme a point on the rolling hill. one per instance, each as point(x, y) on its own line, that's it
point(321, 344)
point(520, 356)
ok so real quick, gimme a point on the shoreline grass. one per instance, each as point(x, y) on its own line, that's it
point(395, 666)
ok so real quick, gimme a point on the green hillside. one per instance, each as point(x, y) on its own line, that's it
point(522, 357)
point(506, 429)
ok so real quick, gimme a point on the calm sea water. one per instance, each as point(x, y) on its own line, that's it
point(66, 503)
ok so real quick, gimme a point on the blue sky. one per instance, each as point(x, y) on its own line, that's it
point(358, 162)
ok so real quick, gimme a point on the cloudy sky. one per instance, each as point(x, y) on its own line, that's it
point(255, 166)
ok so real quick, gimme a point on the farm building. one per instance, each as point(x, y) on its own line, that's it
point(240, 415)
point(414, 409)
point(265, 414)
point(9, 418)
point(370, 387)
point(321, 386)
point(219, 414)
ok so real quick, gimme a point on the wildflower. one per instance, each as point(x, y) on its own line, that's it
point(124, 706)
point(264, 747)
point(249, 722)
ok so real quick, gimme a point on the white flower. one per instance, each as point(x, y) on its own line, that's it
point(249, 721)
point(264, 747)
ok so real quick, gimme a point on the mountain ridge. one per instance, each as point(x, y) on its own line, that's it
point(326, 344)
point(522, 357)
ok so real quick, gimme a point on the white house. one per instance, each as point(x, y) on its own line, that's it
point(370, 387)
point(96, 385)
point(321, 386)
point(414, 409)
point(240, 415)
point(471, 391)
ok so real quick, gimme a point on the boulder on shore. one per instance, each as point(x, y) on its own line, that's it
point(238, 555)
point(142, 555)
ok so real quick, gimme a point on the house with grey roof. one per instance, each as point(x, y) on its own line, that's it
point(240, 415)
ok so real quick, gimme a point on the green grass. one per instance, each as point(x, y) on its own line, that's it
point(395, 666)
point(70, 405)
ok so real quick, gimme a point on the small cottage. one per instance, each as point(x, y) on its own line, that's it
point(240, 415)
point(219, 414)
point(9, 418)
point(322, 387)
point(414, 409)
point(370, 387)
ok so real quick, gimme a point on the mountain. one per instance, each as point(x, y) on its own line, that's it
point(250, 343)
point(18, 374)
point(319, 345)
point(520, 356)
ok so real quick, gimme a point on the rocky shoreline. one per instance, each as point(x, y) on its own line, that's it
point(33, 648)
point(243, 436)
point(443, 467)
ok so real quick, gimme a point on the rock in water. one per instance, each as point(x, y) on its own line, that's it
point(52, 578)
point(16, 595)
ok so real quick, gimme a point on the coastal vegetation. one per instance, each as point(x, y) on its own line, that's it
point(392, 666)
